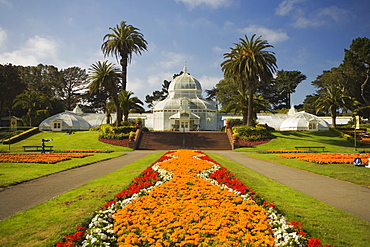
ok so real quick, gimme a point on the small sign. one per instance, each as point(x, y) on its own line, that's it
point(13, 124)
point(357, 122)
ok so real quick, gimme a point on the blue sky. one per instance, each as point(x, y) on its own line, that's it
point(307, 35)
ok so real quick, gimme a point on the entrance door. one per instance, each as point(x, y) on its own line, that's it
point(184, 125)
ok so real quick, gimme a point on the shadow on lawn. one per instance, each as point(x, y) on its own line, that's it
point(323, 137)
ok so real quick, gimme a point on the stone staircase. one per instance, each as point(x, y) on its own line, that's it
point(201, 140)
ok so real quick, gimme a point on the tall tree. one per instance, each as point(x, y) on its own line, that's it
point(74, 80)
point(358, 56)
point(10, 85)
point(158, 95)
point(332, 98)
point(42, 78)
point(247, 64)
point(123, 42)
point(33, 101)
point(105, 75)
point(286, 83)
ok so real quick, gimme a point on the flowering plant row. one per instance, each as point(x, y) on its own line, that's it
point(116, 142)
point(187, 199)
point(47, 158)
point(327, 158)
point(366, 141)
point(285, 151)
point(247, 143)
point(83, 151)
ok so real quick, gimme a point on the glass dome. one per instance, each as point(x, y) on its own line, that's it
point(186, 86)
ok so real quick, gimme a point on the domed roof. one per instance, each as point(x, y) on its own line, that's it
point(301, 120)
point(70, 121)
point(185, 82)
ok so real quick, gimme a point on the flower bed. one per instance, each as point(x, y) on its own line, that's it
point(187, 199)
point(83, 151)
point(116, 142)
point(327, 158)
point(284, 151)
point(48, 158)
point(246, 143)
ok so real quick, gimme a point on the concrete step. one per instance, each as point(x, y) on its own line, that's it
point(203, 140)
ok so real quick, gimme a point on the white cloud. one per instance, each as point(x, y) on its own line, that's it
point(5, 3)
point(334, 13)
point(286, 7)
point(270, 35)
point(3, 37)
point(319, 17)
point(219, 50)
point(172, 60)
point(322, 17)
point(208, 82)
point(210, 3)
point(36, 50)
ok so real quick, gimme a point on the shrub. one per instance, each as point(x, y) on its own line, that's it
point(252, 133)
point(119, 136)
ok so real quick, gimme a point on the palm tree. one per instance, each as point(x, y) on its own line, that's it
point(103, 75)
point(123, 41)
point(331, 99)
point(31, 100)
point(248, 64)
point(127, 103)
point(239, 104)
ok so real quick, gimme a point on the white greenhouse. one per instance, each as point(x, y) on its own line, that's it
point(184, 108)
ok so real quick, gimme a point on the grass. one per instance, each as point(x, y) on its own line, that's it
point(333, 144)
point(47, 223)
point(288, 140)
point(332, 225)
point(61, 141)
point(14, 173)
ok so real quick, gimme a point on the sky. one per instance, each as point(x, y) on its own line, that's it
point(307, 35)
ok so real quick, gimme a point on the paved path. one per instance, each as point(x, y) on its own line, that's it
point(354, 199)
point(351, 198)
point(18, 198)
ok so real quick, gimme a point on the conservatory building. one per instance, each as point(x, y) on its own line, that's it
point(184, 108)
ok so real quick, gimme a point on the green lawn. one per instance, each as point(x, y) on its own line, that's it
point(13, 173)
point(62, 141)
point(333, 144)
point(288, 140)
point(47, 223)
point(332, 225)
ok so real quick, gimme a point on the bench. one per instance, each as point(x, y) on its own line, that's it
point(310, 148)
point(37, 148)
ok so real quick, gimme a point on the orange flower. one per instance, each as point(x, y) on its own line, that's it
point(190, 210)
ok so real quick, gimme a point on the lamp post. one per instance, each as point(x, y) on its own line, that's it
point(10, 124)
point(356, 126)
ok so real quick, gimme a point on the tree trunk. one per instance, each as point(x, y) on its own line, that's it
point(123, 62)
point(245, 116)
point(333, 112)
point(118, 110)
point(363, 88)
point(288, 101)
point(250, 121)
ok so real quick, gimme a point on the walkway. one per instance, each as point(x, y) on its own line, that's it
point(351, 198)
point(354, 199)
point(18, 198)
